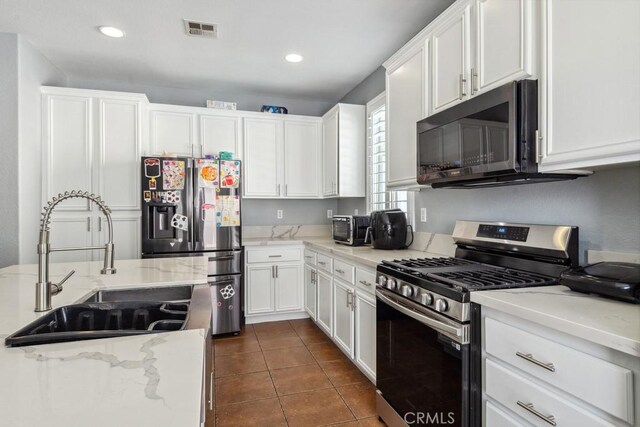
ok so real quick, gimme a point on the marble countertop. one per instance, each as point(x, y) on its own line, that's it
point(146, 380)
point(365, 255)
point(607, 322)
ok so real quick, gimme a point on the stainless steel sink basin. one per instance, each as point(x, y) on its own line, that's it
point(166, 293)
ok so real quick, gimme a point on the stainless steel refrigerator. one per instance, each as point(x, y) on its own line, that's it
point(191, 207)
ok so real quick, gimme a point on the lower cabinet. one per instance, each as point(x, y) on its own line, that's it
point(343, 316)
point(310, 291)
point(274, 290)
point(325, 303)
point(365, 345)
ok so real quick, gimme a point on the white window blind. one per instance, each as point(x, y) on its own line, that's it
point(378, 197)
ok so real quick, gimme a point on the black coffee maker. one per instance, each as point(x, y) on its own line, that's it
point(388, 229)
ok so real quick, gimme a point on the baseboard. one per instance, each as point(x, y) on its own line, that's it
point(274, 317)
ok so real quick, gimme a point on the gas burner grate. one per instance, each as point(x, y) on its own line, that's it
point(428, 262)
point(498, 278)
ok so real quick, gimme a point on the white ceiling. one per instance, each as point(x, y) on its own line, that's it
point(343, 41)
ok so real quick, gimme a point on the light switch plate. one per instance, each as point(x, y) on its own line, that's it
point(423, 214)
point(329, 213)
point(279, 213)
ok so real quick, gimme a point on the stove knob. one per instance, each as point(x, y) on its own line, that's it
point(406, 290)
point(391, 284)
point(382, 280)
point(426, 298)
point(441, 305)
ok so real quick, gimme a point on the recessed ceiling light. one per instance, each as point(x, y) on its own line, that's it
point(294, 57)
point(111, 31)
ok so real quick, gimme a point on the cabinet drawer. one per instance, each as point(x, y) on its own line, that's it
point(514, 391)
point(273, 255)
point(366, 280)
point(325, 263)
point(496, 417)
point(597, 382)
point(310, 257)
point(344, 271)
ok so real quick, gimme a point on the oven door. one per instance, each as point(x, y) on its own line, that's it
point(342, 230)
point(423, 364)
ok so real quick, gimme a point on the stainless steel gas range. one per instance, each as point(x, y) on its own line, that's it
point(428, 331)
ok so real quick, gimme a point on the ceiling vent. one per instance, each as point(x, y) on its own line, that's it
point(201, 29)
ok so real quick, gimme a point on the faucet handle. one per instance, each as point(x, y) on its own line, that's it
point(58, 286)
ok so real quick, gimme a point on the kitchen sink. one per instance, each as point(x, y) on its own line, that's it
point(166, 293)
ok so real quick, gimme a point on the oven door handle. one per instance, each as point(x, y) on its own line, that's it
point(457, 334)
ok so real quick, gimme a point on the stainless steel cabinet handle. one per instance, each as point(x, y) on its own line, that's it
point(211, 391)
point(276, 271)
point(462, 82)
point(278, 189)
point(99, 223)
point(286, 190)
point(340, 271)
point(529, 358)
point(349, 298)
point(322, 263)
point(308, 257)
point(275, 256)
point(273, 271)
point(538, 146)
point(364, 282)
point(88, 223)
point(474, 81)
point(529, 407)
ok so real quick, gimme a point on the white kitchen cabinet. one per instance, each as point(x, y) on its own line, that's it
point(405, 105)
point(260, 289)
point(172, 129)
point(310, 291)
point(288, 291)
point(302, 149)
point(590, 84)
point(365, 336)
point(503, 43)
point(450, 57)
point(219, 132)
point(343, 316)
point(325, 302)
point(71, 232)
point(344, 151)
point(262, 159)
point(126, 235)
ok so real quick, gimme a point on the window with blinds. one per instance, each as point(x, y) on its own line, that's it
point(378, 197)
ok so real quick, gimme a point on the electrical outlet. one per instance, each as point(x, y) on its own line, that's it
point(279, 213)
point(355, 211)
point(423, 214)
point(329, 213)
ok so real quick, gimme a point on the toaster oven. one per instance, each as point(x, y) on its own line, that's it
point(350, 229)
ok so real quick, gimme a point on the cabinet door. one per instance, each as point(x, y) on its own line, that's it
point(330, 154)
point(260, 289)
point(405, 92)
point(301, 151)
point(262, 158)
point(68, 149)
point(126, 235)
point(450, 60)
point(503, 43)
point(365, 356)
point(172, 131)
point(219, 133)
point(343, 316)
point(589, 107)
point(310, 291)
point(118, 157)
point(325, 303)
point(288, 287)
point(71, 232)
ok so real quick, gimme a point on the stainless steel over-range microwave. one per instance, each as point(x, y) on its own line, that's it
point(490, 139)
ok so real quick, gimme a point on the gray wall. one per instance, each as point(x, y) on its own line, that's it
point(35, 71)
point(9, 214)
point(606, 207)
point(366, 90)
point(295, 212)
point(198, 97)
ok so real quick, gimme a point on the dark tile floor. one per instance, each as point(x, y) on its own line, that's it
point(289, 373)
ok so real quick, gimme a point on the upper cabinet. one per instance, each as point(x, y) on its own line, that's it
point(219, 132)
point(282, 157)
point(92, 142)
point(590, 84)
point(344, 151)
point(406, 104)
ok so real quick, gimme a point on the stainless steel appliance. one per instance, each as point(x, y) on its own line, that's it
point(389, 230)
point(617, 280)
point(428, 332)
point(349, 229)
point(191, 207)
point(491, 139)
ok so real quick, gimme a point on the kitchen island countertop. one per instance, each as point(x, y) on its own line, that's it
point(144, 380)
